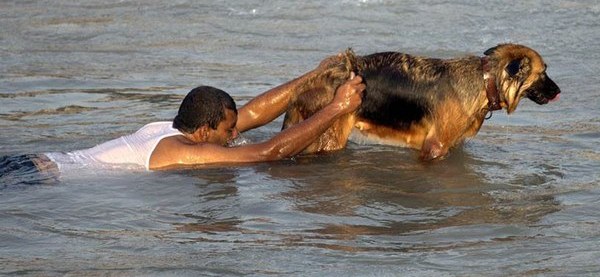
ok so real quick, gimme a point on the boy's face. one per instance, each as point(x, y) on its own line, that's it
point(226, 130)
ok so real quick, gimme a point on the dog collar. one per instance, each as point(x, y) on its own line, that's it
point(491, 90)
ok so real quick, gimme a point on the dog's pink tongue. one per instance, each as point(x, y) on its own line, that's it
point(555, 98)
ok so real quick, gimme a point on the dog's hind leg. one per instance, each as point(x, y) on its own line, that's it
point(335, 138)
point(315, 94)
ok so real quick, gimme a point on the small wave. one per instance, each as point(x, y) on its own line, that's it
point(81, 21)
point(362, 2)
point(233, 11)
point(541, 192)
point(151, 98)
point(25, 94)
point(110, 91)
point(71, 109)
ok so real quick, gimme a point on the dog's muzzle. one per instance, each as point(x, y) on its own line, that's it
point(543, 91)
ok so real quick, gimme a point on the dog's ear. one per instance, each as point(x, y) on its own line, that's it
point(513, 67)
point(519, 67)
point(490, 51)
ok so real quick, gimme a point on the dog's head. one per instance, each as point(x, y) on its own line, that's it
point(519, 72)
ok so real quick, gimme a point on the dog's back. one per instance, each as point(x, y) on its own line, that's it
point(401, 89)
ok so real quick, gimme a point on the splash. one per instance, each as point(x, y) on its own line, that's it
point(238, 141)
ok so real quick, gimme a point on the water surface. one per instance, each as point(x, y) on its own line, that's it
point(521, 198)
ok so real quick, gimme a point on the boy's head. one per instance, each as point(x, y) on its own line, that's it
point(210, 111)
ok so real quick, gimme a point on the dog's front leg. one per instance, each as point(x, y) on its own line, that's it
point(433, 148)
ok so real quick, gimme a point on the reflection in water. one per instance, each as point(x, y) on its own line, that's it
point(217, 194)
point(337, 202)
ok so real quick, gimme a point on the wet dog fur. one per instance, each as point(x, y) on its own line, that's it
point(425, 103)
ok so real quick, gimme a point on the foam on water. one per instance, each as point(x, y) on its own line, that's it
point(238, 141)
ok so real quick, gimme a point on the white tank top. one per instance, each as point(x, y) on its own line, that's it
point(130, 151)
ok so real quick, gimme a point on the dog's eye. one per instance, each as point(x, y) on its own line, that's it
point(513, 67)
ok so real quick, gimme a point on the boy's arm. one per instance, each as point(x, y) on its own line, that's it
point(285, 144)
point(267, 106)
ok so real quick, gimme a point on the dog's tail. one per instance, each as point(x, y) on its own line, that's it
point(352, 62)
point(339, 72)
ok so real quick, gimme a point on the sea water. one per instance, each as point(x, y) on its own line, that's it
point(521, 198)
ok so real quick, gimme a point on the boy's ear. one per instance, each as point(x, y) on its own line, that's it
point(202, 132)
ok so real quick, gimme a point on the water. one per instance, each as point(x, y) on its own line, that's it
point(521, 198)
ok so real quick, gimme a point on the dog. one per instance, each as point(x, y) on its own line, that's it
point(424, 103)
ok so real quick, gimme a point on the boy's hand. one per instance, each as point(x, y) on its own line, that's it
point(349, 95)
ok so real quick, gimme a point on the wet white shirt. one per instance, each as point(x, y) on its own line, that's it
point(130, 151)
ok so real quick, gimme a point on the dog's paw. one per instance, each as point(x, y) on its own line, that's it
point(433, 150)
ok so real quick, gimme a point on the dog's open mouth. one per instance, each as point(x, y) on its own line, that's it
point(542, 98)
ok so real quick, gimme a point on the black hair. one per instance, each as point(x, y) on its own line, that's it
point(203, 105)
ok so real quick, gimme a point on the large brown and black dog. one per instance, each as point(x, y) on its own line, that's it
point(424, 103)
